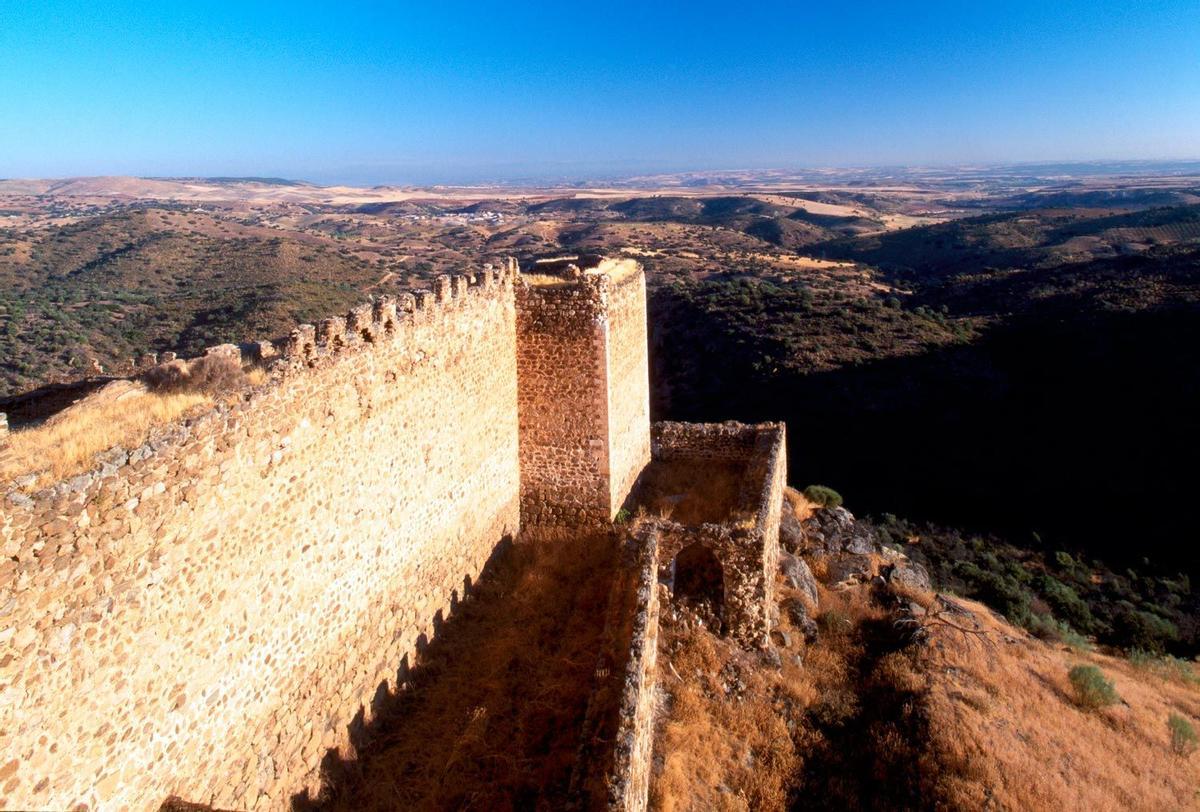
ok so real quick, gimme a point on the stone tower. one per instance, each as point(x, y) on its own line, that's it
point(583, 389)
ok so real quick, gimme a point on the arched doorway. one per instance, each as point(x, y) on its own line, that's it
point(699, 583)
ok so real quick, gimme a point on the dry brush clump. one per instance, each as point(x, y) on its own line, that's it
point(215, 374)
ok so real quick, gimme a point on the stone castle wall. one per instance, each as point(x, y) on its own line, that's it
point(208, 615)
point(746, 543)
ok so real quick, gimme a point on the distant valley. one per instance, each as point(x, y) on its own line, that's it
point(1002, 351)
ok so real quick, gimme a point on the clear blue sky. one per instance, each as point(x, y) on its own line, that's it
point(462, 91)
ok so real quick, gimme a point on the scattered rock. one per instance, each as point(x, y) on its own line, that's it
point(830, 531)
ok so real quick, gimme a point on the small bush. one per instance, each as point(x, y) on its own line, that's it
point(623, 516)
point(822, 495)
point(1092, 690)
point(1183, 735)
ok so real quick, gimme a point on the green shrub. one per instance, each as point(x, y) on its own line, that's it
point(1057, 630)
point(823, 496)
point(1066, 603)
point(1141, 658)
point(1164, 665)
point(1092, 690)
point(1183, 735)
point(623, 516)
point(1141, 629)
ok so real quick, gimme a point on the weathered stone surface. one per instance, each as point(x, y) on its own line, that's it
point(184, 612)
point(834, 530)
point(584, 394)
point(909, 575)
point(797, 574)
point(847, 566)
point(747, 544)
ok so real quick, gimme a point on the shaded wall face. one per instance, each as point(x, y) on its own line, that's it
point(208, 621)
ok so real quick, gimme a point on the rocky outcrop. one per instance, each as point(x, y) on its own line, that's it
point(830, 531)
point(850, 552)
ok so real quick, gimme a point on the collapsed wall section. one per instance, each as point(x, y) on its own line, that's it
point(616, 761)
point(208, 615)
point(746, 543)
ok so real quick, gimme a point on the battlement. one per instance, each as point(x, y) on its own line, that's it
point(369, 323)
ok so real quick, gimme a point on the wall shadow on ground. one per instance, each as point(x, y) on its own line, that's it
point(1083, 427)
point(490, 712)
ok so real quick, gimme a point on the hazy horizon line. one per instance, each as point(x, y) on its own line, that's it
point(526, 175)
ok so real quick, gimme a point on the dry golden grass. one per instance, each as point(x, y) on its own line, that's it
point(796, 502)
point(724, 750)
point(744, 749)
point(1008, 734)
point(546, 280)
point(66, 444)
point(255, 376)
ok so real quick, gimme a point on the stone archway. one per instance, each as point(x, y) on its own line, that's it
point(698, 581)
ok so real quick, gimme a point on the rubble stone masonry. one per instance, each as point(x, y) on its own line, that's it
point(207, 615)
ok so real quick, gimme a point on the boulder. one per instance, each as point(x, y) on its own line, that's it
point(798, 575)
point(909, 575)
point(847, 566)
point(791, 532)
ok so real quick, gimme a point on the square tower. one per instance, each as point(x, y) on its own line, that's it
point(583, 389)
